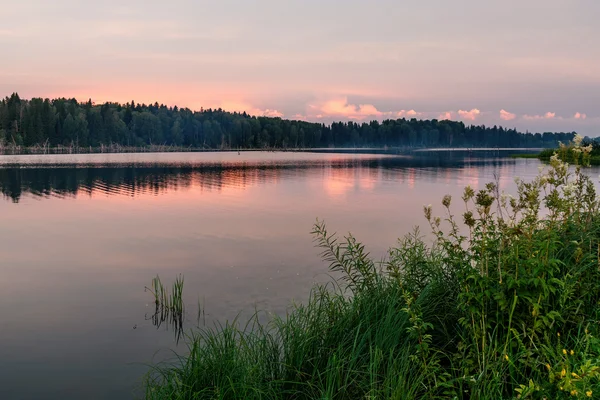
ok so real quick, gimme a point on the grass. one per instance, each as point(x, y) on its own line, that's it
point(505, 304)
point(569, 153)
point(169, 306)
point(572, 153)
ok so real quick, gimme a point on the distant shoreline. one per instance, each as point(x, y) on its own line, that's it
point(39, 150)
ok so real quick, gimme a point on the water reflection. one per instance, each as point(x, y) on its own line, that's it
point(43, 180)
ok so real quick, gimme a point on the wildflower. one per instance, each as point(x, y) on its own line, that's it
point(469, 193)
point(572, 352)
point(558, 334)
point(506, 357)
point(548, 367)
point(564, 352)
point(427, 211)
point(446, 200)
point(569, 188)
point(563, 372)
point(577, 140)
point(574, 375)
point(588, 393)
point(573, 392)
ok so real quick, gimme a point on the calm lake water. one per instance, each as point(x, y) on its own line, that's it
point(81, 236)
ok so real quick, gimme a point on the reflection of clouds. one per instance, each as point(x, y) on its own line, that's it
point(368, 177)
point(337, 182)
point(411, 177)
point(366, 183)
point(336, 188)
point(471, 177)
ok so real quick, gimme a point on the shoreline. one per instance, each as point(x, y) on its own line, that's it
point(19, 150)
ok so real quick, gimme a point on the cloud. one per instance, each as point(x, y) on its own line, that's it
point(269, 112)
point(445, 115)
point(469, 115)
point(340, 108)
point(405, 114)
point(579, 115)
point(507, 116)
point(548, 115)
point(233, 106)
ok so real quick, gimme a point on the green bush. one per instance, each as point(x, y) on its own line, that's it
point(504, 304)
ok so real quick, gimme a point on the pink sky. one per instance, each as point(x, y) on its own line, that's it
point(533, 65)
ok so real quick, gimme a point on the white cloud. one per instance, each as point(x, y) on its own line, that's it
point(507, 116)
point(340, 108)
point(249, 109)
point(548, 115)
point(469, 115)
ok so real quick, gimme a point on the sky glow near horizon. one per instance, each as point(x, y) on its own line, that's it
point(533, 65)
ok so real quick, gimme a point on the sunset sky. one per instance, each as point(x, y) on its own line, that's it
point(529, 64)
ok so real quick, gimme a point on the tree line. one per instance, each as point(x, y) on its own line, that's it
point(67, 122)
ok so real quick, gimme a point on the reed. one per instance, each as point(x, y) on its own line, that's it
point(169, 306)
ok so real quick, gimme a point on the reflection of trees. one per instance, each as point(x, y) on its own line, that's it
point(135, 179)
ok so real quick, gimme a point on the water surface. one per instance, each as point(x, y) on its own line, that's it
point(82, 235)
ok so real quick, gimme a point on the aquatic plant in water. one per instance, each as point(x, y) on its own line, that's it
point(169, 306)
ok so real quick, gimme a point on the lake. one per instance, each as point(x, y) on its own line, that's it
point(83, 235)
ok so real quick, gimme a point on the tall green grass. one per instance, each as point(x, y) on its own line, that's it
point(505, 304)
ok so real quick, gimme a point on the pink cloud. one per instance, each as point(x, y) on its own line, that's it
point(445, 115)
point(548, 115)
point(579, 115)
point(271, 113)
point(403, 114)
point(507, 116)
point(469, 115)
point(341, 108)
point(244, 107)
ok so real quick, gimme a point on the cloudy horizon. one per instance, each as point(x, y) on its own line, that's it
point(531, 65)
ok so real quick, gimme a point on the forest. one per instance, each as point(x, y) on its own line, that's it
point(68, 123)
